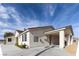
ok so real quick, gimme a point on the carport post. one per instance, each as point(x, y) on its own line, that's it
point(61, 39)
point(72, 40)
point(69, 40)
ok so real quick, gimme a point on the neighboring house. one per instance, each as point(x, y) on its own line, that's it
point(9, 38)
point(44, 36)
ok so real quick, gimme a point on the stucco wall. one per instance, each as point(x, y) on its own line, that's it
point(20, 42)
point(16, 34)
point(13, 40)
point(42, 39)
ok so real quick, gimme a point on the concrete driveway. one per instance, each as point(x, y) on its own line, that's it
point(55, 51)
point(11, 50)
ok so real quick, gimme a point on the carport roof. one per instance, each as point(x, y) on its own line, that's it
point(57, 30)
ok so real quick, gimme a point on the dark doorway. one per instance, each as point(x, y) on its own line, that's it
point(65, 43)
point(9, 39)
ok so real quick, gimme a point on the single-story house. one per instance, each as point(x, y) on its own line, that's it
point(44, 36)
point(9, 38)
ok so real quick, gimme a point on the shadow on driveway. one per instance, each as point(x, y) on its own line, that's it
point(44, 50)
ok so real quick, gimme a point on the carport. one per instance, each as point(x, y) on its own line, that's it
point(61, 37)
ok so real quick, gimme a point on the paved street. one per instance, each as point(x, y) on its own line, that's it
point(11, 50)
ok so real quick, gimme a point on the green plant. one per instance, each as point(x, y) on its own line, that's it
point(22, 46)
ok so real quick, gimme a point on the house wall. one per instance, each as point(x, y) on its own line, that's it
point(20, 42)
point(16, 34)
point(42, 39)
point(12, 42)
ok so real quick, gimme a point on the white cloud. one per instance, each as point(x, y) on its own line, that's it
point(3, 12)
point(2, 9)
point(14, 14)
point(32, 23)
point(7, 30)
point(52, 9)
point(3, 24)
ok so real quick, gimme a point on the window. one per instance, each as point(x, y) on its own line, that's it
point(9, 39)
point(35, 39)
point(24, 37)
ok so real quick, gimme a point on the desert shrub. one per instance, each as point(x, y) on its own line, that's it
point(22, 46)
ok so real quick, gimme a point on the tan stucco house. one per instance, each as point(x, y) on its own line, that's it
point(44, 36)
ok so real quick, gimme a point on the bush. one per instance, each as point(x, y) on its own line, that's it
point(22, 46)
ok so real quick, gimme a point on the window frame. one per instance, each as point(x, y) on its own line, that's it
point(24, 37)
point(36, 39)
point(9, 39)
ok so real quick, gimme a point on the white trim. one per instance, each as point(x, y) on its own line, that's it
point(61, 39)
point(68, 40)
point(57, 30)
point(24, 32)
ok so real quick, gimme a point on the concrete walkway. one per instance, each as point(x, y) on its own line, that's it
point(11, 50)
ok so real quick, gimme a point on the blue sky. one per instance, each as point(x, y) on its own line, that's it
point(20, 16)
